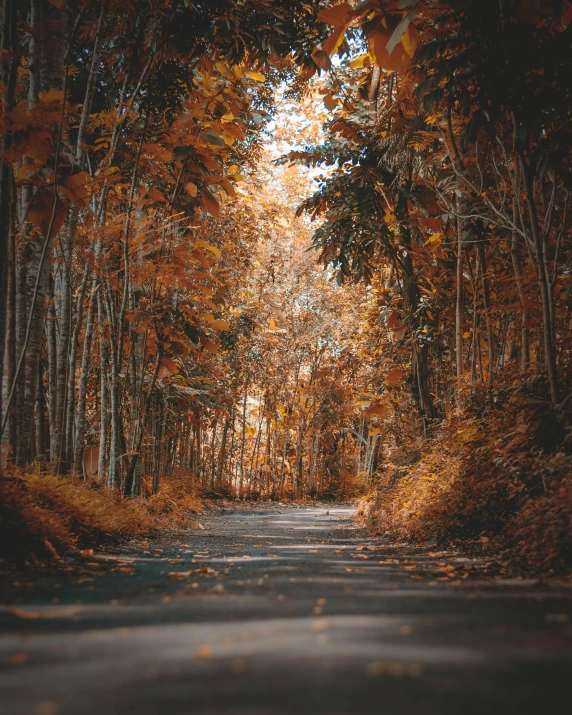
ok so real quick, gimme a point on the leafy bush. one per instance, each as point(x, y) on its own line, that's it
point(500, 484)
point(42, 516)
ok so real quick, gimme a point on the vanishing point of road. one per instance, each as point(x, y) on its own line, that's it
point(283, 610)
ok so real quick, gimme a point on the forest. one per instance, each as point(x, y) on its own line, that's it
point(281, 250)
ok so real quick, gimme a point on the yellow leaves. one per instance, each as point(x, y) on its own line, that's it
point(216, 324)
point(208, 247)
point(220, 325)
point(393, 42)
point(409, 40)
point(397, 60)
point(395, 376)
point(361, 61)
point(256, 76)
point(435, 238)
point(229, 188)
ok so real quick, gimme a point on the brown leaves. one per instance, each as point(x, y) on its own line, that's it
point(191, 189)
point(395, 376)
point(45, 210)
point(381, 411)
point(210, 203)
point(168, 367)
point(337, 15)
point(186, 574)
point(392, 39)
point(38, 145)
point(78, 189)
point(51, 613)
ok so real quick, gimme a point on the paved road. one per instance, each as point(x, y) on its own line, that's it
point(283, 610)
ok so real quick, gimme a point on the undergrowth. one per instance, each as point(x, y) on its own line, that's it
point(44, 516)
point(496, 479)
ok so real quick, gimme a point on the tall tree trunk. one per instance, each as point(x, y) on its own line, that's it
point(524, 329)
point(79, 445)
point(544, 283)
point(459, 305)
point(70, 407)
point(9, 62)
point(488, 317)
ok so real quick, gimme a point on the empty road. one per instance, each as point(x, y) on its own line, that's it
point(283, 609)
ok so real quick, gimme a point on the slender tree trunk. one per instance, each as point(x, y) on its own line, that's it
point(70, 392)
point(40, 430)
point(488, 317)
point(543, 281)
point(9, 63)
point(517, 268)
point(459, 305)
point(79, 445)
point(242, 443)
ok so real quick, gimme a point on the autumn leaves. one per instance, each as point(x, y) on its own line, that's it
point(390, 33)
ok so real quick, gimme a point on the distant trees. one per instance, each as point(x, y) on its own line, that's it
point(127, 128)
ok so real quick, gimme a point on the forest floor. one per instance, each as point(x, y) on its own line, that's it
point(283, 609)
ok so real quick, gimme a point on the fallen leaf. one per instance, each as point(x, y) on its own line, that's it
point(205, 651)
point(56, 613)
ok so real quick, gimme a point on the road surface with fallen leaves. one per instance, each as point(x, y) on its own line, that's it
point(283, 609)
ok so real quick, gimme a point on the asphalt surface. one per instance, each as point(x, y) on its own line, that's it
point(281, 610)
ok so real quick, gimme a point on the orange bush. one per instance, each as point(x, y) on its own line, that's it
point(42, 515)
point(500, 484)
